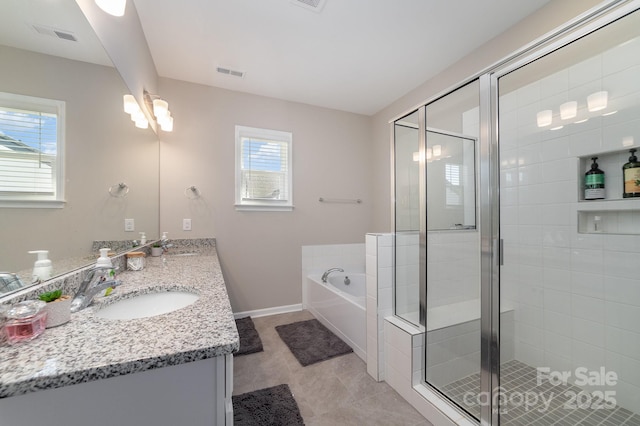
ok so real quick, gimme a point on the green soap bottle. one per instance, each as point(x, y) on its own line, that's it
point(631, 177)
point(594, 182)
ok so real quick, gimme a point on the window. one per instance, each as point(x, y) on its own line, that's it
point(263, 169)
point(31, 151)
point(452, 186)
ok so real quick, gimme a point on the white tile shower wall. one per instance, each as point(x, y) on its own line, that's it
point(318, 258)
point(379, 274)
point(453, 267)
point(407, 274)
point(577, 296)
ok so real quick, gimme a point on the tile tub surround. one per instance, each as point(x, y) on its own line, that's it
point(88, 348)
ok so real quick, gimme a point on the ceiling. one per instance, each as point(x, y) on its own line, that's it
point(17, 20)
point(352, 55)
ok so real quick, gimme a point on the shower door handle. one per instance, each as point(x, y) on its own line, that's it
point(501, 252)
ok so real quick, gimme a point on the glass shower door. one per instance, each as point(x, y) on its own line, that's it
point(452, 246)
point(569, 285)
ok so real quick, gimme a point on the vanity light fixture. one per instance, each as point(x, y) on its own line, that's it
point(154, 103)
point(429, 153)
point(597, 101)
point(568, 110)
point(437, 150)
point(416, 156)
point(544, 118)
point(160, 109)
point(132, 108)
point(112, 7)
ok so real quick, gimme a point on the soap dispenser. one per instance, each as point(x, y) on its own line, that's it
point(104, 261)
point(42, 267)
point(143, 238)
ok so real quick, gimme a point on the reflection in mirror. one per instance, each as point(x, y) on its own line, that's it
point(49, 51)
point(453, 128)
point(450, 181)
point(407, 185)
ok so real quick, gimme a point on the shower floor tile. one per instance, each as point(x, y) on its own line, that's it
point(518, 378)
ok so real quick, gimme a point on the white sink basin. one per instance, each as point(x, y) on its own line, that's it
point(147, 305)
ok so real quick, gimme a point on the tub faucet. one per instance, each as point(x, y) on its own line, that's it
point(97, 280)
point(328, 271)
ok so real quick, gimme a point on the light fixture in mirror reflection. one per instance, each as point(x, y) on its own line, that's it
point(159, 106)
point(101, 147)
point(113, 7)
point(597, 101)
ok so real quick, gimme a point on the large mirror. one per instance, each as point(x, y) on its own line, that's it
point(49, 50)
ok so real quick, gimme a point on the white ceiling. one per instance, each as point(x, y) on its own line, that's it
point(355, 55)
point(17, 18)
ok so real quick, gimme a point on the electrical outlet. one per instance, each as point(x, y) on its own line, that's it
point(186, 224)
point(129, 225)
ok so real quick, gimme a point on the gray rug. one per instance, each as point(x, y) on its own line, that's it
point(271, 406)
point(312, 342)
point(249, 338)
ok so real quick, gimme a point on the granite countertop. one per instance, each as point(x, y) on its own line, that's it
point(90, 348)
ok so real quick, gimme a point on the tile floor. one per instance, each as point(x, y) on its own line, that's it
point(519, 377)
point(334, 392)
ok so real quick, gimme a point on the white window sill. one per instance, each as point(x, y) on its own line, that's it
point(263, 208)
point(32, 204)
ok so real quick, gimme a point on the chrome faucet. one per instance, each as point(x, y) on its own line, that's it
point(328, 271)
point(97, 280)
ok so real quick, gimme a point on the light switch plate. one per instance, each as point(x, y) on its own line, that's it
point(186, 224)
point(129, 225)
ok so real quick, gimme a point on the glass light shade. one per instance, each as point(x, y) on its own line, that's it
point(112, 7)
point(437, 150)
point(142, 123)
point(568, 110)
point(167, 124)
point(160, 108)
point(597, 101)
point(544, 118)
point(130, 104)
point(416, 156)
point(137, 115)
point(429, 153)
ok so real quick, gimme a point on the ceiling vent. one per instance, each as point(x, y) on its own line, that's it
point(52, 32)
point(313, 5)
point(228, 71)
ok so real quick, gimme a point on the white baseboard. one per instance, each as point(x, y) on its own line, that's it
point(269, 311)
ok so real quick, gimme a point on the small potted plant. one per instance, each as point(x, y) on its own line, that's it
point(156, 250)
point(58, 307)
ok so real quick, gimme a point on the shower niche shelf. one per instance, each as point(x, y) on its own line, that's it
point(611, 164)
point(609, 217)
point(614, 214)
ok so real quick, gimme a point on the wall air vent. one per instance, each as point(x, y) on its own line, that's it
point(52, 32)
point(228, 71)
point(313, 5)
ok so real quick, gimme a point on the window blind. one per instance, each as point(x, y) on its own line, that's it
point(28, 151)
point(265, 170)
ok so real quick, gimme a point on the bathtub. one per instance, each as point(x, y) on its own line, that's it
point(340, 307)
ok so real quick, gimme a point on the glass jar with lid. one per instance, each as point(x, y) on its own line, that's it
point(25, 321)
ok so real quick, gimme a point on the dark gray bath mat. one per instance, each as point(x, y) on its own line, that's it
point(271, 406)
point(249, 338)
point(312, 342)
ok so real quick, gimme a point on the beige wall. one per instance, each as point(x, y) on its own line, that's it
point(549, 17)
point(260, 252)
point(103, 147)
